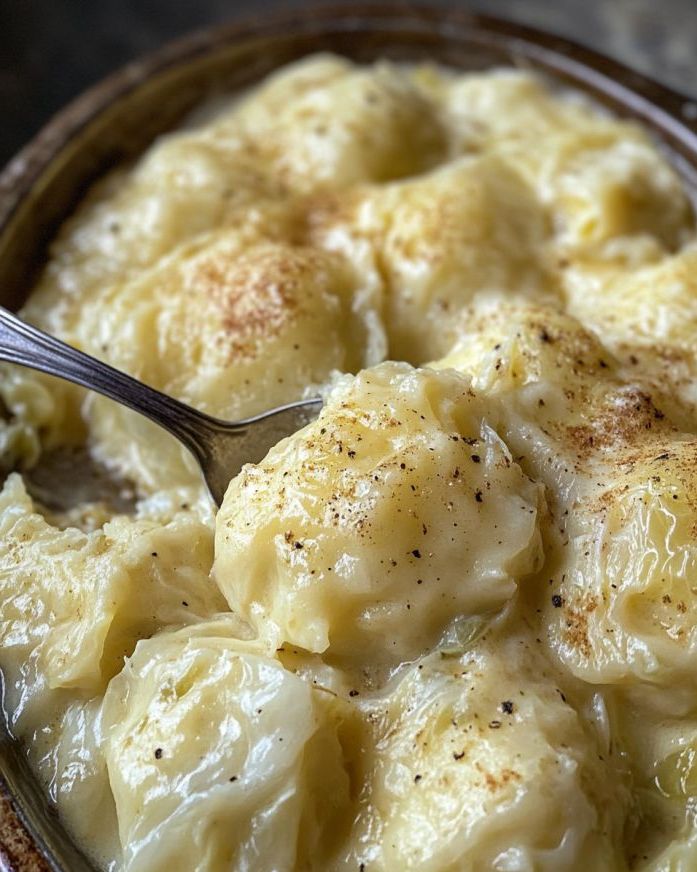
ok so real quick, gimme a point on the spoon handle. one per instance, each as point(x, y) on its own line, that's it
point(26, 345)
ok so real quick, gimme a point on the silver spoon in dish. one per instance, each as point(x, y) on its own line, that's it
point(220, 447)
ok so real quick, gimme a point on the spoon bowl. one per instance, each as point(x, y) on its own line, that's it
point(221, 448)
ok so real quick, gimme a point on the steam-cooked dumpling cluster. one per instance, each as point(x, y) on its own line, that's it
point(450, 624)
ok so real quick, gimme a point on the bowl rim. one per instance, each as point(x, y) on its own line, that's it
point(668, 113)
point(658, 105)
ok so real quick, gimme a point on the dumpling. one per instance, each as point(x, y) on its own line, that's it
point(602, 179)
point(229, 328)
point(622, 608)
point(365, 534)
point(235, 328)
point(35, 412)
point(327, 123)
point(671, 782)
point(74, 604)
point(219, 758)
point(183, 186)
point(614, 186)
point(679, 856)
point(471, 228)
point(616, 600)
point(660, 747)
point(648, 317)
point(558, 396)
point(509, 109)
point(477, 761)
point(67, 755)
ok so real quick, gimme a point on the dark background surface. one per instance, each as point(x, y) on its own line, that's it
point(51, 50)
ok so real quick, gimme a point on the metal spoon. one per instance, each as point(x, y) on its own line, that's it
point(220, 447)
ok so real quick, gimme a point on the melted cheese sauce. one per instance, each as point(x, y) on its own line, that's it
point(451, 624)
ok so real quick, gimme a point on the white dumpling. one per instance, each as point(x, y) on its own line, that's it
point(37, 411)
point(219, 758)
point(230, 328)
point(74, 604)
point(327, 123)
point(648, 317)
point(68, 757)
point(621, 605)
point(365, 534)
point(182, 187)
point(615, 599)
point(602, 178)
point(557, 394)
point(436, 242)
point(660, 746)
point(477, 761)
